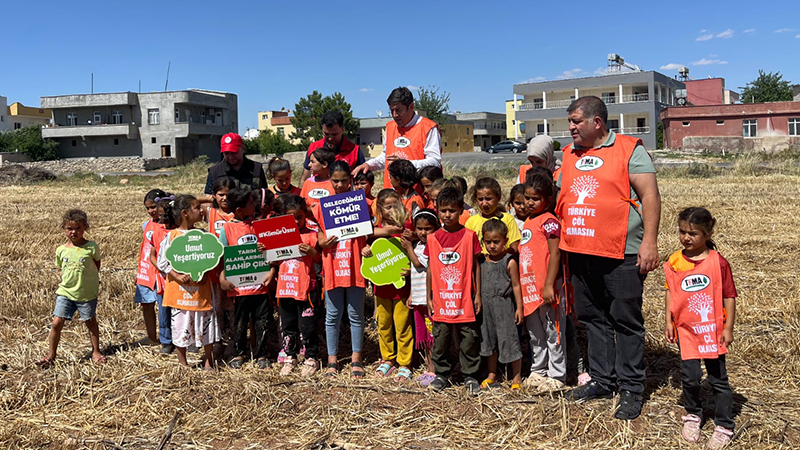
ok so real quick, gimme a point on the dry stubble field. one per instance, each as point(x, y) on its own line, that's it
point(130, 402)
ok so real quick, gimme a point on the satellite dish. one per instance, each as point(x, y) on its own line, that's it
point(681, 101)
point(379, 113)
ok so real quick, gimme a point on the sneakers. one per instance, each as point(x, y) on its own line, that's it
point(310, 367)
point(472, 385)
point(237, 363)
point(193, 349)
point(166, 349)
point(588, 391)
point(720, 439)
point(691, 428)
point(263, 364)
point(550, 385)
point(534, 381)
point(289, 364)
point(630, 405)
point(440, 383)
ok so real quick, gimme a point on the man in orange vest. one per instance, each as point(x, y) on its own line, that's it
point(410, 136)
point(610, 208)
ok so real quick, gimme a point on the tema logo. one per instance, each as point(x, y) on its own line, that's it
point(402, 142)
point(349, 231)
point(588, 163)
point(247, 239)
point(526, 236)
point(149, 235)
point(694, 283)
point(283, 252)
point(247, 279)
point(448, 258)
point(319, 193)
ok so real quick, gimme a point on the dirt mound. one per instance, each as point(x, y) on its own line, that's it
point(16, 174)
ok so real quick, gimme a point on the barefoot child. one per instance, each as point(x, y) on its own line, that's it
point(146, 275)
point(79, 261)
point(700, 312)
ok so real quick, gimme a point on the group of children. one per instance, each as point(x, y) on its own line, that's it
point(480, 277)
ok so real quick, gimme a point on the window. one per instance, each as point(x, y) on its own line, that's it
point(177, 115)
point(116, 141)
point(264, 117)
point(613, 124)
point(74, 143)
point(152, 116)
point(640, 122)
point(540, 128)
point(17, 125)
point(96, 118)
point(538, 103)
point(720, 122)
point(188, 115)
point(609, 97)
point(153, 140)
point(2, 118)
point(686, 123)
point(116, 117)
point(794, 127)
point(280, 131)
point(202, 117)
point(749, 127)
point(165, 151)
point(72, 119)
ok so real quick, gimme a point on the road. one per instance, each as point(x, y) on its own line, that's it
point(505, 159)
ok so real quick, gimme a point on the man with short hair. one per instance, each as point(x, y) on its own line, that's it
point(333, 138)
point(409, 136)
point(236, 165)
point(610, 208)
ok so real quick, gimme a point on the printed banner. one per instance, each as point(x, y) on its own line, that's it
point(280, 236)
point(346, 215)
point(386, 264)
point(245, 265)
point(194, 253)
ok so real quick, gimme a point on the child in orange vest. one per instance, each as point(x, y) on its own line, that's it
point(451, 253)
point(146, 276)
point(319, 185)
point(218, 212)
point(296, 291)
point(700, 313)
point(501, 301)
point(427, 176)
point(250, 302)
point(194, 322)
point(79, 261)
point(164, 312)
point(516, 205)
point(280, 171)
point(343, 283)
point(539, 271)
point(486, 195)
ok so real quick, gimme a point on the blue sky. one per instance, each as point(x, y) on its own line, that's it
point(272, 53)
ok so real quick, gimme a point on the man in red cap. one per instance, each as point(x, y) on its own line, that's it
point(235, 165)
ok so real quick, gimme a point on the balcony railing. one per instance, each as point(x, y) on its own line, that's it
point(631, 130)
point(560, 104)
point(633, 98)
point(556, 134)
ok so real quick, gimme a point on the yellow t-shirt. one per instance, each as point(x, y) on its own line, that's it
point(475, 223)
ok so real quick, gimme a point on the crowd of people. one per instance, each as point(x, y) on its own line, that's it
point(569, 248)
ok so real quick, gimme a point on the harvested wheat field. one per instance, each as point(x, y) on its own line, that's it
point(141, 400)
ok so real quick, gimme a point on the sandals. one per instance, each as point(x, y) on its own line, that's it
point(45, 362)
point(403, 374)
point(357, 370)
point(289, 364)
point(331, 369)
point(691, 428)
point(384, 370)
point(487, 383)
point(310, 367)
point(426, 378)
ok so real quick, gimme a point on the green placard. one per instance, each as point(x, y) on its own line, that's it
point(386, 264)
point(194, 253)
point(245, 265)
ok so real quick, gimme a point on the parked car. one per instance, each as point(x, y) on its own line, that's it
point(503, 146)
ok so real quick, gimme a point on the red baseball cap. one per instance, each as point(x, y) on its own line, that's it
point(231, 142)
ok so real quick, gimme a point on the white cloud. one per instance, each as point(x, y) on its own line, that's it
point(671, 66)
point(727, 34)
point(412, 87)
point(704, 37)
point(600, 71)
point(704, 30)
point(708, 62)
point(366, 89)
point(797, 36)
point(713, 55)
point(570, 74)
point(784, 30)
point(533, 80)
point(749, 30)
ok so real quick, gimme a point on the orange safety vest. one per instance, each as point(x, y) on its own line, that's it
point(216, 218)
point(341, 263)
point(241, 233)
point(315, 190)
point(194, 297)
point(534, 258)
point(158, 236)
point(406, 142)
point(594, 200)
point(451, 279)
point(696, 307)
point(295, 275)
point(147, 274)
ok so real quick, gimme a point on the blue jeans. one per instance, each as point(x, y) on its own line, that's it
point(335, 301)
point(164, 322)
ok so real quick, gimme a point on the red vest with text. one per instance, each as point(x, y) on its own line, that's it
point(348, 151)
point(216, 218)
point(534, 258)
point(696, 308)
point(451, 279)
point(241, 233)
point(406, 142)
point(594, 200)
point(147, 274)
point(192, 297)
point(295, 275)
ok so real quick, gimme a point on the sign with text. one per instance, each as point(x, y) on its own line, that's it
point(194, 253)
point(245, 265)
point(346, 215)
point(387, 263)
point(280, 236)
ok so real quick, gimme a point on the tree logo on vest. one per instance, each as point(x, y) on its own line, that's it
point(448, 258)
point(319, 193)
point(701, 304)
point(402, 142)
point(451, 275)
point(291, 265)
point(584, 187)
point(526, 236)
point(525, 257)
point(694, 283)
point(588, 163)
point(148, 236)
point(247, 239)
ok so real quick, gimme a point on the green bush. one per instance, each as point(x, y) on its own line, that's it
point(29, 140)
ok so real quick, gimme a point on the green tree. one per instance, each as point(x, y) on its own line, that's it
point(309, 110)
point(29, 140)
point(768, 87)
point(269, 142)
point(435, 104)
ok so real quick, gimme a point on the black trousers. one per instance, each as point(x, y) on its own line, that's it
point(468, 337)
point(608, 301)
point(299, 317)
point(258, 308)
point(718, 379)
